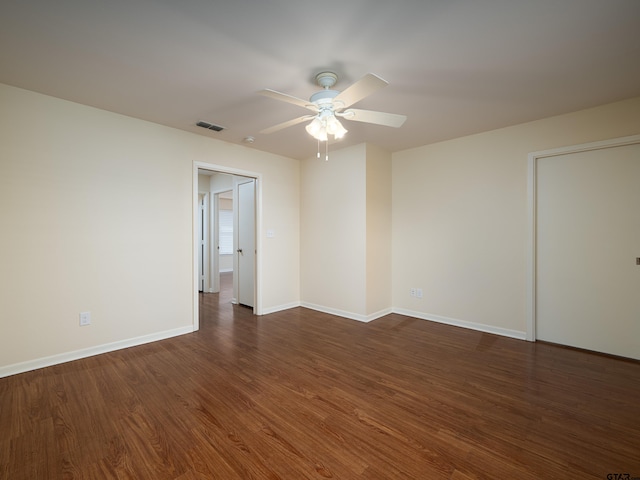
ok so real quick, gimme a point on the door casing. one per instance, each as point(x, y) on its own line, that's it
point(197, 165)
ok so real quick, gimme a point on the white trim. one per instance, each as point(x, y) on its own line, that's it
point(214, 235)
point(194, 241)
point(379, 314)
point(342, 313)
point(280, 308)
point(206, 250)
point(90, 352)
point(586, 147)
point(532, 214)
point(481, 327)
point(231, 171)
point(532, 223)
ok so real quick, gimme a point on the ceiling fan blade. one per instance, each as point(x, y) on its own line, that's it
point(362, 88)
point(369, 116)
point(267, 92)
point(288, 123)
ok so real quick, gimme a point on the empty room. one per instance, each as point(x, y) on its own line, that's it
point(310, 240)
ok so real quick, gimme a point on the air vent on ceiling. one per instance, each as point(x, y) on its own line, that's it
point(210, 126)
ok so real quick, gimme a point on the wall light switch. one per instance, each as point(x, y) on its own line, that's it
point(85, 318)
point(271, 233)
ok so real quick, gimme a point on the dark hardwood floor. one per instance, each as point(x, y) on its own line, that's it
point(305, 395)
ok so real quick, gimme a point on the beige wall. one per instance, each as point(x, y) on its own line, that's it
point(346, 232)
point(378, 174)
point(460, 217)
point(96, 215)
point(333, 232)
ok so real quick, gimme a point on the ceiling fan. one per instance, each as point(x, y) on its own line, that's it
point(327, 105)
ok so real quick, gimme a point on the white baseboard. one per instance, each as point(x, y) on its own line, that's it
point(379, 314)
point(342, 313)
point(505, 332)
point(29, 365)
point(279, 308)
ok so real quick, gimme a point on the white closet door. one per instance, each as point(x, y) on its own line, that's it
point(246, 243)
point(588, 242)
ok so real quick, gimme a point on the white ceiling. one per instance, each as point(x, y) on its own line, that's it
point(455, 67)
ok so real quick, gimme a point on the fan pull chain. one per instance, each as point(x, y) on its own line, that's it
point(326, 151)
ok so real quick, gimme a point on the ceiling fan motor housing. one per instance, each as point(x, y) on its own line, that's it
point(324, 96)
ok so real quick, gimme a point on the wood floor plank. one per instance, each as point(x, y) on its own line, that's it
point(301, 394)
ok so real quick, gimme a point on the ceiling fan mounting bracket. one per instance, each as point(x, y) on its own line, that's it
point(326, 79)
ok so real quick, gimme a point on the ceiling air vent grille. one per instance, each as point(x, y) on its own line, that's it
point(210, 126)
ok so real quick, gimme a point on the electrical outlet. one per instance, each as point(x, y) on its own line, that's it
point(85, 318)
point(412, 292)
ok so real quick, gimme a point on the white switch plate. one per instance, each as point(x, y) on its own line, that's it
point(85, 318)
point(271, 233)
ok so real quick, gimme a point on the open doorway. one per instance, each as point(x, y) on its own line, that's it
point(226, 244)
point(215, 228)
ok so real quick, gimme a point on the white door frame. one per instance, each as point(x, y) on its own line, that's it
point(532, 217)
point(215, 244)
point(257, 309)
point(204, 237)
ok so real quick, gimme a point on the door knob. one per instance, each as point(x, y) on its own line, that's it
point(239, 250)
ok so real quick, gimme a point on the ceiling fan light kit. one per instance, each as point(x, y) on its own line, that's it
point(328, 104)
point(325, 124)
